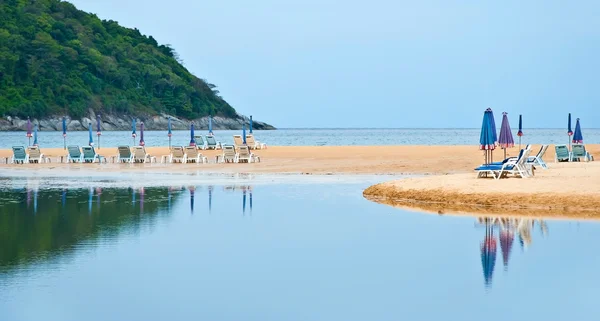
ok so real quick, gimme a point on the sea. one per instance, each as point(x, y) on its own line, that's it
point(296, 137)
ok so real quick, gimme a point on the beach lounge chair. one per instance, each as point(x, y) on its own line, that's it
point(229, 155)
point(178, 155)
point(518, 167)
point(125, 155)
point(254, 144)
point(539, 158)
point(193, 156)
point(578, 152)
point(19, 155)
point(562, 153)
point(200, 144)
point(36, 156)
point(212, 143)
point(74, 154)
point(140, 155)
point(238, 141)
point(245, 156)
point(90, 155)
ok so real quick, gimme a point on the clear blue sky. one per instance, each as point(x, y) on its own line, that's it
point(384, 63)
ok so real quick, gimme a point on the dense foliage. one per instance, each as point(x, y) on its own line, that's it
point(55, 58)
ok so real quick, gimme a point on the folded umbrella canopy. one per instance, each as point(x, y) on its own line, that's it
point(487, 139)
point(91, 143)
point(64, 126)
point(142, 142)
point(506, 138)
point(192, 139)
point(29, 130)
point(169, 132)
point(520, 132)
point(250, 124)
point(133, 134)
point(577, 136)
point(244, 133)
point(35, 135)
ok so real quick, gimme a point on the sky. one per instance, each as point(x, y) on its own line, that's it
point(384, 63)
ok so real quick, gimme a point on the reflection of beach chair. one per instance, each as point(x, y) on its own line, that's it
point(254, 144)
point(562, 153)
point(74, 154)
point(538, 159)
point(193, 156)
point(125, 155)
point(517, 167)
point(577, 153)
point(200, 144)
point(245, 156)
point(238, 141)
point(229, 155)
point(19, 155)
point(178, 155)
point(140, 155)
point(36, 156)
point(90, 155)
point(211, 143)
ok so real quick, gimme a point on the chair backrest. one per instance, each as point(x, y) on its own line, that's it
point(250, 140)
point(523, 156)
point(88, 151)
point(199, 140)
point(229, 151)
point(74, 151)
point(191, 151)
point(211, 141)
point(542, 151)
point(562, 151)
point(578, 150)
point(237, 140)
point(139, 152)
point(177, 152)
point(19, 152)
point(244, 152)
point(124, 151)
point(34, 152)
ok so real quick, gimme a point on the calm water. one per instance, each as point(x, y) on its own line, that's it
point(256, 248)
point(307, 137)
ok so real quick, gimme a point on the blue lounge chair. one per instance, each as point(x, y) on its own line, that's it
point(125, 155)
point(516, 167)
point(75, 155)
point(90, 155)
point(562, 153)
point(578, 152)
point(211, 143)
point(19, 155)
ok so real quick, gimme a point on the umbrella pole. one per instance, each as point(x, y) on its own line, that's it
point(29, 141)
point(98, 141)
point(169, 143)
point(504, 152)
point(519, 142)
point(65, 142)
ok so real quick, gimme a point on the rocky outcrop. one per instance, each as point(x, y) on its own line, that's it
point(123, 122)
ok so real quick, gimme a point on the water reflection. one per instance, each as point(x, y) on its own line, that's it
point(505, 229)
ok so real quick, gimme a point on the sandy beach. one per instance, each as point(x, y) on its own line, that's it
point(443, 182)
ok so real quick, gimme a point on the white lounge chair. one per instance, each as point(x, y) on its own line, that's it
point(244, 155)
point(516, 166)
point(229, 155)
point(140, 155)
point(539, 158)
point(36, 156)
point(178, 155)
point(193, 156)
point(125, 155)
point(254, 144)
point(238, 141)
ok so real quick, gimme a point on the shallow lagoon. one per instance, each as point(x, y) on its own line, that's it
point(272, 248)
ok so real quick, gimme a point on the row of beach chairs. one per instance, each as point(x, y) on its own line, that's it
point(521, 166)
point(211, 143)
point(576, 154)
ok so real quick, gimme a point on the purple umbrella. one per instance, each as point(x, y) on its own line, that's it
point(29, 130)
point(506, 241)
point(142, 143)
point(506, 138)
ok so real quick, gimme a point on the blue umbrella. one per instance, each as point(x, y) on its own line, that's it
point(577, 136)
point(98, 129)
point(64, 125)
point(244, 133)
point(29, 130)
point(487, 140)
point(169, 132)
point(142, 142)
point(493, 121)
point(35, 142)
point(488, 256)
point(133, 134)
point(210, 125)
point(90, 130)
point(250, 124)
point(569, 130)
point(192, 140)
point(520, 132)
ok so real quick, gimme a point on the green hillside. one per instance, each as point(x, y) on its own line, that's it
point(56, 59)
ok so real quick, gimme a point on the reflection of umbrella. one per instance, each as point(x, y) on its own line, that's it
point(29, 130)
point(210, 189)
point(577, 136)
point(142, 191)
point(210, 132)
point(520, 132)
point(487, 140)
point(98, 129)
point(192, 140)
point(250, 202)
point(192, 190)
point(64, 125)
point(506, 138)
point(169, 132)
point(244, 133)
point(244, 203)
point(133, 196)
point(488, 255)
point(90, 130)
point(64, 197)
point(133, 134)
point(169, 200)
point(250, 124)
point(142, 143)
point(35, 131)
point(35, 199)
point(90, 197)
point(506, 241)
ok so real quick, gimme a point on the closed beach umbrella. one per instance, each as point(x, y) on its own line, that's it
point(169, 132)
point(520, 132)
point(210, 132)
point(91, 143)
point(98, 129)
point(250, 124)
point(488, 256)
point(577, 136)
point(244, 133)
point(29, 130)
point(192, 139)
point(142, 143)
point(487, 137)
point(569, 131)
point(64, 125)
point(35, 131)
point(133, 134)
point(506, 138)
